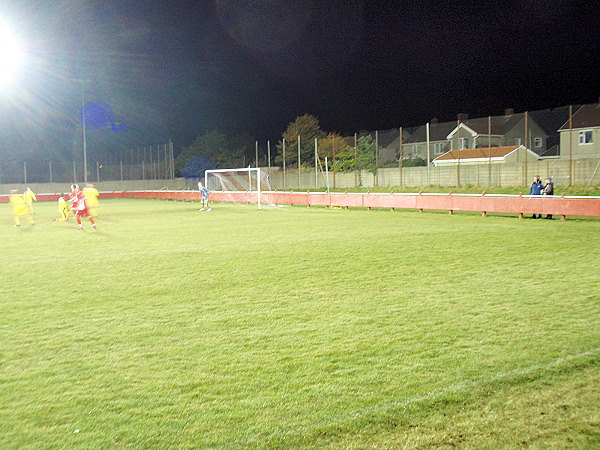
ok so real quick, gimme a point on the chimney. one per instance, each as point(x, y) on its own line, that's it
point(434, 120)
point(462, 117)
point(509, 111)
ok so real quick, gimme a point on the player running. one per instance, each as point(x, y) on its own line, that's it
point(203, 197)
point(20, 207)
point(79, 207)
point(29, 197)
point(91, 199)
point(63, 209)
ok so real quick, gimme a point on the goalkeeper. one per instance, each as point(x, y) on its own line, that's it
point(203, 197)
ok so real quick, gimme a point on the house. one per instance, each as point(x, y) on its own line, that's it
point(584, 133)
point(389, 144)
point(414, 144)
point(489, 155)
point(549, 120)
point(496, 131)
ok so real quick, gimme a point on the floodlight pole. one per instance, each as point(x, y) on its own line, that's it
point(83, 125)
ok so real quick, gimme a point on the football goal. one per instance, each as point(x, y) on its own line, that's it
point(238, 185)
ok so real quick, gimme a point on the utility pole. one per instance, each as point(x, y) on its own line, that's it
point(83, 82)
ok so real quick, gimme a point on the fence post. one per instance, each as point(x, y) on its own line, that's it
point(316, 165)
point(74, 173)
point(526, 140)
point(25, 172)
point(376, 158)
point(458, 163)
point(570, 145)
point(401, 158)
point(298, 161)
point(172, 159)
point(284, 163)
point(269, 156)
point(333, 168)
point(97, 171)
point(50, 169)
point(428, 155)
point(489, 150)
point(355, 160)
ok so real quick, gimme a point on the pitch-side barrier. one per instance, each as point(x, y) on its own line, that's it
point(521, 205)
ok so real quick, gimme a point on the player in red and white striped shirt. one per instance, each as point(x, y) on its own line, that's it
point(79, 207)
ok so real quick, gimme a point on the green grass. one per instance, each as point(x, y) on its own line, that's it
point(298, 327)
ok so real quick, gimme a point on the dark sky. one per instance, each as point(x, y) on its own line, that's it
point(177, 68)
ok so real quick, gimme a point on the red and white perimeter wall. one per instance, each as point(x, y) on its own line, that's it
point(557, 205)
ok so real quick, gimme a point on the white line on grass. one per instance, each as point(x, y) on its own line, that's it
point(453, 388)
point(468, 384)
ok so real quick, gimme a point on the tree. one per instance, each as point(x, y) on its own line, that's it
point(213, 150)
point(307, 127)
point(332, 144)
point(361, 158)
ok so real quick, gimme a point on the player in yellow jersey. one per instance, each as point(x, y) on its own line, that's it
point(29, 197)
point(63, 209)
point(91, 199)
point(20, 208)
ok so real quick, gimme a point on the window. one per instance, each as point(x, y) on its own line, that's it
point(439, 148)
point(538, 142)
point(464, 143)
point(518, 141)
point(585, 137)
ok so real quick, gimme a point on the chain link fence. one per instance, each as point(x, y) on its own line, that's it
point(507, 150)
point(145, 163)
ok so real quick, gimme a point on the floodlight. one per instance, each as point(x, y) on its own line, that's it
point(12, 56)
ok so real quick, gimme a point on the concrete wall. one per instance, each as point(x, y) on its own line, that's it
point(585, 171)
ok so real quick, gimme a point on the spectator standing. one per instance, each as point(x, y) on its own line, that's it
point(536, 189)
point(548, 190)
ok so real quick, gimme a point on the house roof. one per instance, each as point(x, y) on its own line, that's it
point(477, 153)
point(586, 116)
point(437, 132)
point(440, 131)
point(550, 120)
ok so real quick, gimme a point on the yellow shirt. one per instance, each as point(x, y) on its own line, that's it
point(19, 205)
point(29, 196)
point(62, 204)
point(91, 196)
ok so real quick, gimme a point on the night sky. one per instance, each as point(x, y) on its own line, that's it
point(174, 69)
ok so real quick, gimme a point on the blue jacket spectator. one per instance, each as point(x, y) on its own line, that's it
point(536, 187)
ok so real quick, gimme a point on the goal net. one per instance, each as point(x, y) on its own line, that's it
point(245, 185)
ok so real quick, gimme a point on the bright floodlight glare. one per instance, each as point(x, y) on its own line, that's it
point(11, 56)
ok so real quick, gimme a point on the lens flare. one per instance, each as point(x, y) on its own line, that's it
point(11, 56)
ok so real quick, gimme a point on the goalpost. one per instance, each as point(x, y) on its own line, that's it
point(238, 185)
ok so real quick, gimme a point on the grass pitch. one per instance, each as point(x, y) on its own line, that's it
point(298, 327)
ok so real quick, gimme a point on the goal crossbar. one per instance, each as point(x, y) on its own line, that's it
point(247, 179)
